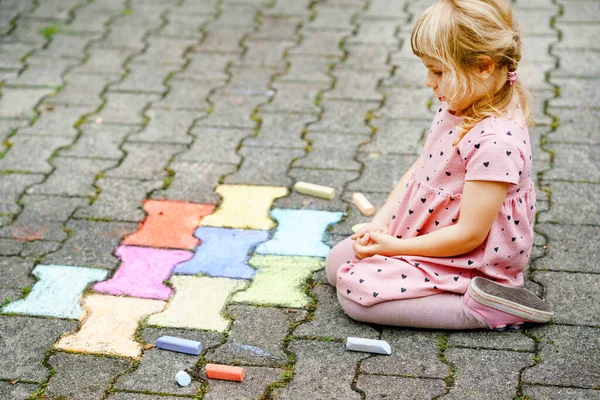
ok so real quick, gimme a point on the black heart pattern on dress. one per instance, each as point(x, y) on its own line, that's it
point(361, 280)
point(426, 280)
point(379, 270)
point(375, 294)
point(486, 164)
point(456, 278)
point(348, 291)
point(477, 145)
point(441, 153)
point(469, 262)
point(423, 200)
point(403, 276)
point(410, 211)
point(403, 290)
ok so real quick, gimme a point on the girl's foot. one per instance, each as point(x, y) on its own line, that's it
point(517, 302)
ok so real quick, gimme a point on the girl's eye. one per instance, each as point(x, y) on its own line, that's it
point(437, 73)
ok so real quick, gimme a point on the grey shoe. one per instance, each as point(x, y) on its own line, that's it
point(511, 300)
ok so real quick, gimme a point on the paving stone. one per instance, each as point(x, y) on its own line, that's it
point(38, 148)
point(397, 136)
point(336, 179)
point(165, 50)
point(568, 249)
point(49, 75)
point(167, 126)
point(568, 356)
point(344, 117)
point(28, 30)
point(124, 108)
point(188, 94)
point(585, 11)
point(223, 253)
point(281, 130)
point(99, 373)
point(197, 303)
point(222, 144)
point(11, 247)
point(574, 162)
point(20, 103)
point(109, 325)
point(578, 70)
point(323, 43)
point(264, 166)
point(130, 30)
point(65, 45)
point(83, 89)
point(330, 321)
point(119, 200)
point(294, 97)
point(299, 233)
point(39, 248)
point(257, 379)
point(557, 393)
point(378, 31)
point(294, 8)
point(332, 151)
point(28, 232)
point(256, 337)
point(72, 177)
point(571, 296)
point(24, 343)
point(349, 86)
point(414, 353)
point(537, 49)
point(265, 54)
point(474, 380)
point(13, 53)
point(12, 186)
point(577, 36)
point(223, 39)
point(406, 103)
point(206, 66)
point(145, 77)
point(14, 276)
point(78, 249)
point(57, 291)
point(366, 57)
point(407, 73)
point(377, 387)
point(55, 9)
point(384, 8)
point(566, 197)
point(184, 25)
point(99, 141)
point(93, 16)
point(543, 18)
point(331, 17)
point(142, 272)
point(104, 60)
point(57, 121)
point(238, 15)
point(381, 172)
point(576, 126)
point(205, 7)
point(156, 373)
point(572, 93)
point(279, 281)
point(277, 27)
point(534, 73)
point(507, 340)
point(309, 68)
point(8, 128)
point(232, 111)
point(145, 161)
point(323, 370)
point(17, 391)
point(194, 181)
point(170, 224)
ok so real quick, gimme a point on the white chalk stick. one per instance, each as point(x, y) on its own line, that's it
point(368, 345)
point(363, 204)
point(311, 189)
point(358, 227)
point(183, 378)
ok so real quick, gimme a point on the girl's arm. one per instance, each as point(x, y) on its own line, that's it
point(480, 204)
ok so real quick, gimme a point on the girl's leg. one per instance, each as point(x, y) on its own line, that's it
point(440, 311)
point(339, 254)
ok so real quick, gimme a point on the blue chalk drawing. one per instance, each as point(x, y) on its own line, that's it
point(57, 291)
point(223, 252)
point(299, 233)
point(256, 350)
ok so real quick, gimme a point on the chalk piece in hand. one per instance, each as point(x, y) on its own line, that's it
point(358, 227)
point(368, 345)
point(363, 204)
point(180, 345)
point(311, 189)
point(225, 372)
point(182, 378)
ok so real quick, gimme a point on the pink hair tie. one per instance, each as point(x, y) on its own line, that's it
point(512, 77)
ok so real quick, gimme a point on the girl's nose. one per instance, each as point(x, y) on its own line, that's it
point(429, 82)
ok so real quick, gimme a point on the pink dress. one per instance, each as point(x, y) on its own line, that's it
point(496, 149)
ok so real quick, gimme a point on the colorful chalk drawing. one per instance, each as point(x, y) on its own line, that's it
point(182, 268)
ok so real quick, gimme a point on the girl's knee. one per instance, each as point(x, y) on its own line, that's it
point(339, 254)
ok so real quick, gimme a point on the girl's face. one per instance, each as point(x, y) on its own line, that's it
point(439, 79)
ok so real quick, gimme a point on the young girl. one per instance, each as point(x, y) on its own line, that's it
point(449, 246)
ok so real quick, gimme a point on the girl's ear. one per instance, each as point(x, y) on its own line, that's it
point(485, 66)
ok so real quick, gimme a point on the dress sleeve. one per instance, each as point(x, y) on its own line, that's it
point(493, 158)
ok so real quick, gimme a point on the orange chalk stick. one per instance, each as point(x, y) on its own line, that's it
point(225, 372)
point(363, 204)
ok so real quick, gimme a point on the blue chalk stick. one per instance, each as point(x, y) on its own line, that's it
point(180, 345)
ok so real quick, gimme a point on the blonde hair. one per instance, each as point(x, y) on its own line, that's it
point(456, 33)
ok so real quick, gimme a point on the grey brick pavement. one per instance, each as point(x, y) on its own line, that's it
point(105, 103)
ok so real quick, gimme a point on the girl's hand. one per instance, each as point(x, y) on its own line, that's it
point(370, 227)
point(373, 243)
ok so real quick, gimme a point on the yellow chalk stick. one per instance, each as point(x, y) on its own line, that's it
point(311, 189)
point(363, 204)
point(357, 227)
